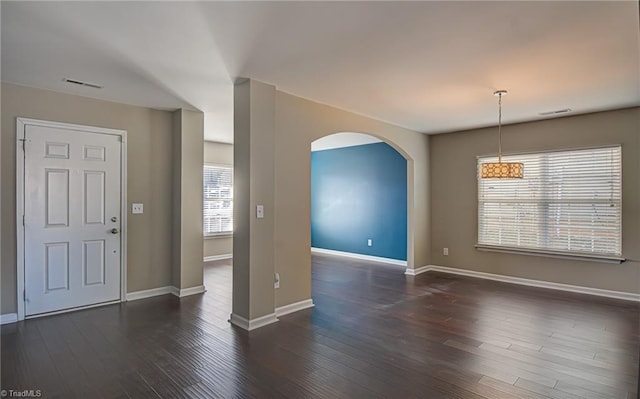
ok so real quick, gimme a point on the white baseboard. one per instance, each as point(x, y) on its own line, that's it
point(217, 257)
point(134, 296)
point(415, 272)
point(69, 310)
point(627, 296)
point(294, 307)
point(169, 289)
point(359, 256)
point(8, 318)
point(131, 296)
point(254, 323)
point(188, 291)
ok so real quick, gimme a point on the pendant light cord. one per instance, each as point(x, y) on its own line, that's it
point(500, 128)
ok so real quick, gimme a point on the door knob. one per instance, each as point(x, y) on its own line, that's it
point(114, 231)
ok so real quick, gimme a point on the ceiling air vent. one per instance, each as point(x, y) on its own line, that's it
point(559, 111)
point(81, 83)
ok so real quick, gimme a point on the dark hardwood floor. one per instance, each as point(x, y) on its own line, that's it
point(374, 333)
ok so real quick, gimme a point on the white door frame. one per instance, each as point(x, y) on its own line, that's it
point(21, 124)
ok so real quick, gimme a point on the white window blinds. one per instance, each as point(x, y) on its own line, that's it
point(568, 201)
point(218, 199)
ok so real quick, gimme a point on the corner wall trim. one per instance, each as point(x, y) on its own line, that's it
point(294, 307)
point(217, 257)
point(627, 296)
point(188, 291)
point(254, 323)
point(380, 259)
point(8, 318)
point(134, 296)
point(419, 270)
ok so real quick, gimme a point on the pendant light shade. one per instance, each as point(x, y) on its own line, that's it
point(501, 170)
point(491, 170)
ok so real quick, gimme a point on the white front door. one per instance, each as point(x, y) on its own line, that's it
point(72, 238)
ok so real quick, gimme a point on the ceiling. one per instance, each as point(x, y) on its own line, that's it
point(427, 66)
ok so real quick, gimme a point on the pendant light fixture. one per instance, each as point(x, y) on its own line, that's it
point(501, 170)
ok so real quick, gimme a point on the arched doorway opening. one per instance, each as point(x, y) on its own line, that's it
point(359, 198)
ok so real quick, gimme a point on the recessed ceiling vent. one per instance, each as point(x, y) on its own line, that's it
point(556, 112)
point(81, 83)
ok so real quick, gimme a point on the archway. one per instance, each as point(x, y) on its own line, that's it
point(272, 228)
point(360, 198)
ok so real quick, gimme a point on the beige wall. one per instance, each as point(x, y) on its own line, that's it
point(253, 175)
point(176, 197)
point(454, 197)
point(298, 123)
point(218, 154)
point(149, 178)
point(187, 196)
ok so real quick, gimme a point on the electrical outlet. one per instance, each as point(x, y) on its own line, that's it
point(369, 242)
point(137, 208)
point(276, 281)
point(445, 251)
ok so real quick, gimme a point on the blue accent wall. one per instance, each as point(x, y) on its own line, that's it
point(360, 193)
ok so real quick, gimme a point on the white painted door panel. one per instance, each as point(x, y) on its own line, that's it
point(72, 218)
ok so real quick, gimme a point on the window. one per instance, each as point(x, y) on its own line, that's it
point(568, 202)
point(218, 199)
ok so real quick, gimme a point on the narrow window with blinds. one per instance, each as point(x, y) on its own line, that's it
point(568, 202)
point(218, 200)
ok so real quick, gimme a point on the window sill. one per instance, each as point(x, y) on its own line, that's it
point(217, 235)
point(550, 254)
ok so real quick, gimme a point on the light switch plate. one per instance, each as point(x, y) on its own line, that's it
point(260, 211)
point(137, 208)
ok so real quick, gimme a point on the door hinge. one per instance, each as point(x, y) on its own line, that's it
point(24, 295)
point(24, 144)
point(23, 222)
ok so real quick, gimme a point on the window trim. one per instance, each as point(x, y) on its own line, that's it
point(218, 235)
point(221, 234)
point(547, 252)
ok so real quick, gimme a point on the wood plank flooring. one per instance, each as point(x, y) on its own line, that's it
point(374, 333)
